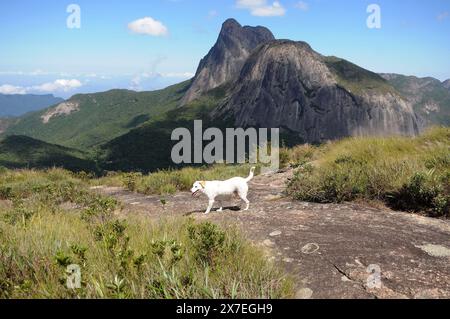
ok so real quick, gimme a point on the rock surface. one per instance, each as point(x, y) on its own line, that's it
point(332, 251)
point(285, 84)
point(225, 60)
point(64, 108)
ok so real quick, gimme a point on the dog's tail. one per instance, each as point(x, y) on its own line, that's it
point(252, 174)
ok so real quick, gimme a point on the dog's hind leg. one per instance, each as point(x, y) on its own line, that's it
point(243, 196)
point(211, 203)
point(247, 202)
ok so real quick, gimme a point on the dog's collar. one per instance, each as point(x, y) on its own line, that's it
point(202, 184)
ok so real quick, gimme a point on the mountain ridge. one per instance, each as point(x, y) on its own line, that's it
point(287, 84)
point(429, 97)
point(87, 120)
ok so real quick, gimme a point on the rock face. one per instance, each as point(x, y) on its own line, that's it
point(225, 60)
point(286, 84)
point(64, 108)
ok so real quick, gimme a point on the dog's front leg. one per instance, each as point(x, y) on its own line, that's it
point(211, 203)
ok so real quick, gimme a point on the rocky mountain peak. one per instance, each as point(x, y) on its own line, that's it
point(224, 61)
point(286, 84)
point(230, 25)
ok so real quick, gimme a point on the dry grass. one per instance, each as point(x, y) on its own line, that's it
point(119, 258)
point(171, 181)
point(406, 173)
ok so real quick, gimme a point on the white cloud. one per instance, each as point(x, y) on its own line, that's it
point(140, 81)
point(442, 16)
point(212, 14)
point(261, 8)
point(178, 75)
point(58, 85)
point(11, 89)
point(301, 5)
point(148, 26)
point(250, 3)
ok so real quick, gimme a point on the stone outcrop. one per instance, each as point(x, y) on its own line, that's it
point(226, 58)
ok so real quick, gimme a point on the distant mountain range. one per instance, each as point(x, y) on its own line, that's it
point(88, 120)
point(429, 97)
point(19, 104)
point(248, 79)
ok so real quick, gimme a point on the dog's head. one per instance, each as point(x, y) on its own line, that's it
point(198, 187)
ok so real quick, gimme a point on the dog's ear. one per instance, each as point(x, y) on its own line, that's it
point(203, 183)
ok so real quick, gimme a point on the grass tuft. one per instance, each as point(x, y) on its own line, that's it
point(411, 174)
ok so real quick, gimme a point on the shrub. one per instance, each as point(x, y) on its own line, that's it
point(207, 241)
point(422, 193)
point(406, 173)
point(130, 180)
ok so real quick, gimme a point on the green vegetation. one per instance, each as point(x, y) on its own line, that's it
point(24, 152)
point(49, 221)
point(356, 79)
point(100, 118)
point(171, 181)
point(97, 131)
point(136, 150)
point(411, 174)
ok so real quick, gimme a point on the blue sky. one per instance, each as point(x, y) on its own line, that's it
point(40, 54)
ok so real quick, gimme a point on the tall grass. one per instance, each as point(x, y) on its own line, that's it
point(48, 221)
point(407, 173)
point(171, 181)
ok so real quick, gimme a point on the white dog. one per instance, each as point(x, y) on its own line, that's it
point(214, 189)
